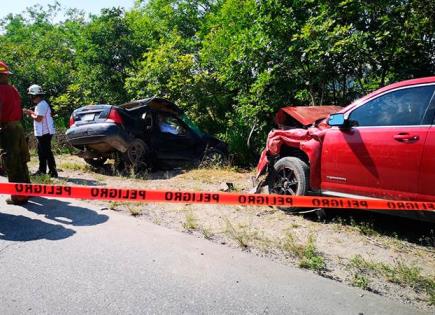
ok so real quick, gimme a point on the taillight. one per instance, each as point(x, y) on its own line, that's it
point(71, 120)
point(115, 116)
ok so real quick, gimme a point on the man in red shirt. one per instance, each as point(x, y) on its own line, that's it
point(15, 153)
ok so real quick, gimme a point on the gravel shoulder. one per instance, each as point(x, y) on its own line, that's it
point(391, 256)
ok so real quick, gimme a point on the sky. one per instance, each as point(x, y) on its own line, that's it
point(90, 6)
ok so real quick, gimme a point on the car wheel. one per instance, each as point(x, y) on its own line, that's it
point(213, 158)
point(96, 162)
point(136, 156)
point(290, 178)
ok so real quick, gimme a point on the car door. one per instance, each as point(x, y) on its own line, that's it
point(426, 186)
point(380, 155)
point(173, 141)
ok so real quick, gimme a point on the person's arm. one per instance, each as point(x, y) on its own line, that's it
point(33, 115)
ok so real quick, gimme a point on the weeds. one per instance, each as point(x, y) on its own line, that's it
point(113, 205)
point(289, 245)
point(365, 228)
point(360, 281)
point(311, 259)
point(74, 166)
point(428, 240)
point(135, 210)
point(399, 273)
point(240, 235)
point(42, 179)
point(208, 234)
point(307, 254)
point(191, 222)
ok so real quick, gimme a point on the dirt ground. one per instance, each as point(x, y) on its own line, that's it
point(391, 256)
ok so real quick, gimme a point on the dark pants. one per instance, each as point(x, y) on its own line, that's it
point(14, 152)
point(45, 154)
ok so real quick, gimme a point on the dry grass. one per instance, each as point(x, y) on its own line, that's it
point(190, 221)
point(308, 255)
point(399, 273)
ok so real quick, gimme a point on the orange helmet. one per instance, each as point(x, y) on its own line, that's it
point(4, 69)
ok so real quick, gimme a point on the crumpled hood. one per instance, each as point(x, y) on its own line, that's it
point(306, 115)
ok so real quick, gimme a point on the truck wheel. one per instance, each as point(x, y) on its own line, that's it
point(96, 162)
point(137, 155)
point(290, 177)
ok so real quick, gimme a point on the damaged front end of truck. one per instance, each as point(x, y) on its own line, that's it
point(290, 162)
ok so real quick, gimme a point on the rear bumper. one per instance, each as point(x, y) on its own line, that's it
point(99, 137)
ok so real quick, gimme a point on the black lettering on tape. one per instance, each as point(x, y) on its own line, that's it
point(104, 193)
point(67, 190)
point(19, 187)
point(94, 192)
point(168, 196)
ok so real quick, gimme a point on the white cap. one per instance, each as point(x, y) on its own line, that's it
point(35, 90)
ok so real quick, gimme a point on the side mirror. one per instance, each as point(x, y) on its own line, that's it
point(336, 120)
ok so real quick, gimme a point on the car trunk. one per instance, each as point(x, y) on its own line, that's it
point(91, 114)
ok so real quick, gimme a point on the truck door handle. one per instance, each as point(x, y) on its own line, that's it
point(406, 137)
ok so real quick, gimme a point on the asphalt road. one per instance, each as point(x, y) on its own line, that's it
point(68, 257)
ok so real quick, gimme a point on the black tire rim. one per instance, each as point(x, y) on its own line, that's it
point(286, 182)
point(135, 153)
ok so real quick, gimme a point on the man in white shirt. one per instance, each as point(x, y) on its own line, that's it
point(43, 126)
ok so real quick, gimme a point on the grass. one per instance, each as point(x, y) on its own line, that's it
point(360, 281)
point(134, 209)
point(290, 246)
point(114, 205)
point(190, 221)
point(240, 233)
point(208, 234)
point(308, 256)
point(399, 273)
point(428, 240)
point(311, 259)
point(364, 227)
point(42, 179)
point(74, 166)
point(209, 175)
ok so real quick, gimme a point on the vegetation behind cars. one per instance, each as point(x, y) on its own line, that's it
point(229, 64)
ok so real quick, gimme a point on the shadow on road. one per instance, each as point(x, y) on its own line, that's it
point(23, 229)
point(80, 181)
point(65, 213)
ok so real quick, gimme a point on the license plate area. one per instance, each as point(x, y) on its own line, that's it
point(88, 117)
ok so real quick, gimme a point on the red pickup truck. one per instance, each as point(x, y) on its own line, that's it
point(380, 146)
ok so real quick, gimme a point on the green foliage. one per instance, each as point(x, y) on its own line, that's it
point(310, 258)
point(360, 281)
point(230, 64)
point(307, 253)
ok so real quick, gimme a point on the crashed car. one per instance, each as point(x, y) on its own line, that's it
point(380, 146)
point(141, 134)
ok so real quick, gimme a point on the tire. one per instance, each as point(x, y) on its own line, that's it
point(137, 155)
point(96, 162)
point(213, 158)
point(290, 178)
